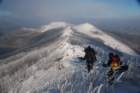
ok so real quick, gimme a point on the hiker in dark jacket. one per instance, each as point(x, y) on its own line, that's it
point(110, 59)
point(90, 57)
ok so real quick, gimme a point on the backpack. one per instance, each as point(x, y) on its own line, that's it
point(115, 64)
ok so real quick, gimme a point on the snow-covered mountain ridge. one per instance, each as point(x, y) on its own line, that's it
point(54, 67)
point(94, 32)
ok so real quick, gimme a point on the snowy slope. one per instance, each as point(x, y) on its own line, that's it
point(108, 40)
point(54, 67)
point(53, 25)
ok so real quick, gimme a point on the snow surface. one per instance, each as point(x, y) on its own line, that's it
point(108, 40)
point(27, 29)
point(55, 67)
point(53, 25)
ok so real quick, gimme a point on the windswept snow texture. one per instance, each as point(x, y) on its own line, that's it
point(53, 66)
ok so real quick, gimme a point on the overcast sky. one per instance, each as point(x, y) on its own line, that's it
point(69, 9)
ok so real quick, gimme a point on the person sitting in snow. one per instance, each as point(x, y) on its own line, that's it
point(116, 65)
point(90, 57)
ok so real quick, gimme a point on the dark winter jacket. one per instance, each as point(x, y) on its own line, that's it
point(90, 54)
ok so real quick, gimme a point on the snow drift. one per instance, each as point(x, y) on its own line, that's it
point(53, 66)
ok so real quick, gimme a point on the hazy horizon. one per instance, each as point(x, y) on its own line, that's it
point(41, 11)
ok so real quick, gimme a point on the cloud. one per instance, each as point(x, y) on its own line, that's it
point(5, 13)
